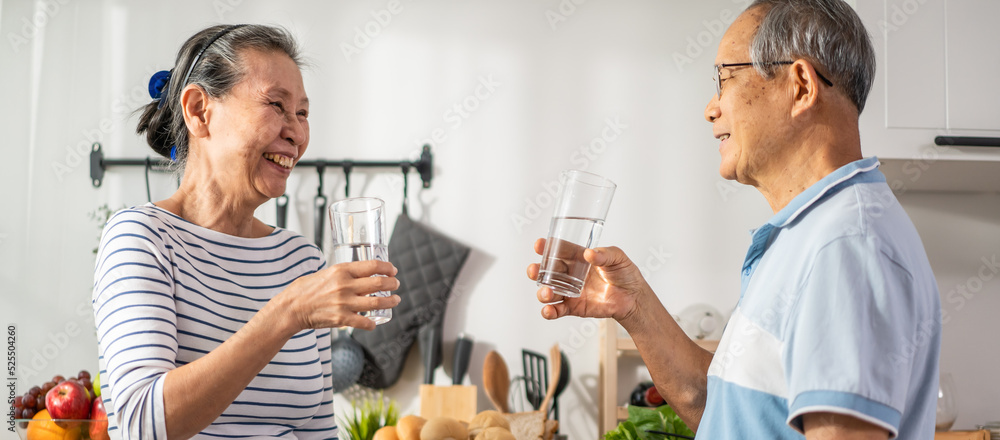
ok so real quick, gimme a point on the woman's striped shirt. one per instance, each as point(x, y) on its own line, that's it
point(167, 292)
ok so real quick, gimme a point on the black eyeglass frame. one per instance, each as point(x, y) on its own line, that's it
point(719, 67)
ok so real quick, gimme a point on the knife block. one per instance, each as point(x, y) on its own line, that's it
point(455, 401)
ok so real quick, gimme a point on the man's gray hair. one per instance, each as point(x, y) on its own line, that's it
point(827, 33)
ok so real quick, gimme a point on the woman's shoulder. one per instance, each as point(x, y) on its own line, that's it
point(142, 219)
point(156, 223)
point(294, 240)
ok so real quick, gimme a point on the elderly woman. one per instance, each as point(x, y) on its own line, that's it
point(210, 321)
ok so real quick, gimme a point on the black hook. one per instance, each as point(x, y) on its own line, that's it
point(148, 164)
point(426, 165)
point(348, 165)
point(282, 205)
point(320, 169)
point(319, 207)
point(406, 184)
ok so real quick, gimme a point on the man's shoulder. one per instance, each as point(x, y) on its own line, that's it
point(862, 209)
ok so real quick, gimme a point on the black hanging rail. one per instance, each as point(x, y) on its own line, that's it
point(424, 165)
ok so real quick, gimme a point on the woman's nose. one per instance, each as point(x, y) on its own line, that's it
point(296, 131)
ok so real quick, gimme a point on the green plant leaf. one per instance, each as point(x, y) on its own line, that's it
point(368, 416)
point(645, 419)
point(672, 422)
point(626, 431)
point(642, 419)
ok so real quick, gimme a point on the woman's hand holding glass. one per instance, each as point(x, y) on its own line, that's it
point(334, 297)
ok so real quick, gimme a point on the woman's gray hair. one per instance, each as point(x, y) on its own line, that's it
point(827, 33)
point(217, 70)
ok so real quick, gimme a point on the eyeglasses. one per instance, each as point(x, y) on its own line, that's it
point(718, 73)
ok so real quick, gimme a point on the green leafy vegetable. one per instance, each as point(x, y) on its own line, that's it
point(642, 419)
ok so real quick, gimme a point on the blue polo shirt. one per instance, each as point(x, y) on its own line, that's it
point(838, 312)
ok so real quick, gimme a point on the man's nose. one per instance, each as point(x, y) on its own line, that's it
point(712, 111)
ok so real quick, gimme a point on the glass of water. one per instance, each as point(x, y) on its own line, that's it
point(359, 234)
point(576, 226)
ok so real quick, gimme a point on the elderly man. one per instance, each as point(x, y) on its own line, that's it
point(837, 331)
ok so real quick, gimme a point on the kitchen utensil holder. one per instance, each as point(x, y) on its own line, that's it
point(424, 166)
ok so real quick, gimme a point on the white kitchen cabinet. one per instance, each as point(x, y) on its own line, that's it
point(937, 66)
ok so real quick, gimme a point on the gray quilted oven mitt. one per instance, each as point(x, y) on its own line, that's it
point(428, 264)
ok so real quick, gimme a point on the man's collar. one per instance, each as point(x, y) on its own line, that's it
point(814, 193)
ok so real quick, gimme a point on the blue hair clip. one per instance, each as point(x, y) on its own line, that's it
point(173, 153)
point(158, 85)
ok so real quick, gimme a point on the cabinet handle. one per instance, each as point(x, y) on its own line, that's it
point(968, 141)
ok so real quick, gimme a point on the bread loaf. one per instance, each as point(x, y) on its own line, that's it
point(487, 419)
point(527, 425)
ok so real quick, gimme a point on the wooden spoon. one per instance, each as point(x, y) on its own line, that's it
point(496, 380)
point(556, 363)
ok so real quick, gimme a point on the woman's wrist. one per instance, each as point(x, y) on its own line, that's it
point(280, 316)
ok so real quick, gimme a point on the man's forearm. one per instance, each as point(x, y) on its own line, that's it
point(678, 366)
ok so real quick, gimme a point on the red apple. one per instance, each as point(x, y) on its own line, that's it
point(653, 397)
point(68, 400)
point(99, 429)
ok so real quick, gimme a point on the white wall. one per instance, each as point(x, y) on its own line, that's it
point(961, 233)
point(80, 67)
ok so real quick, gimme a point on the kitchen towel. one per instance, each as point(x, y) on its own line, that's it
point(428, 263)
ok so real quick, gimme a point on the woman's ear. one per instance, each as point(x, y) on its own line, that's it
point(194, 102)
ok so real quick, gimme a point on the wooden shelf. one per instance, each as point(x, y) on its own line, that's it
point(627, 345)
point(612, 347)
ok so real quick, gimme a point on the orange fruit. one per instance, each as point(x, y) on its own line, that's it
point(41, 427)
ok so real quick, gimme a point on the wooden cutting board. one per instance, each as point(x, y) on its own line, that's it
point(455, 401)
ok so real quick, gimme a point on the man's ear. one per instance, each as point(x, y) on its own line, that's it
point(194, 103)
point(805, 86)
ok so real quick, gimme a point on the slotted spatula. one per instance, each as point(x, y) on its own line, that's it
point(536, 377)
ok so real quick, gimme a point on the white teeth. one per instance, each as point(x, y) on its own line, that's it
point(723, 137)
point(286, 162)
